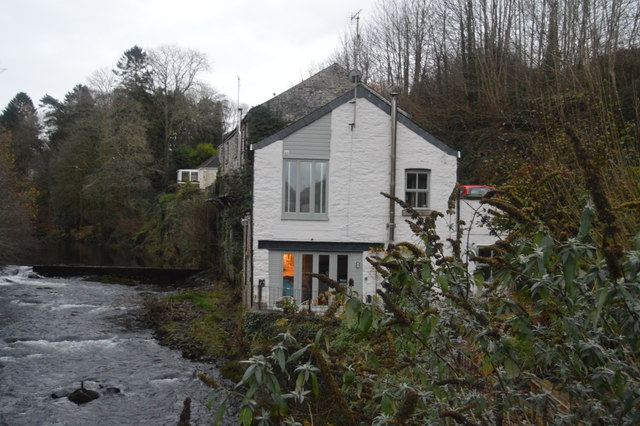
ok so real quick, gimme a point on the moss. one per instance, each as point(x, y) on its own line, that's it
point(232, 370)
point(201, 322)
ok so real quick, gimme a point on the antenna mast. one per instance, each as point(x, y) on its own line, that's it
point(238, 104)
point(356, 47)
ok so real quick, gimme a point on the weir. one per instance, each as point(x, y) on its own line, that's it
point(143, 275)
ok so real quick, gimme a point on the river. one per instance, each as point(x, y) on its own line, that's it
point(55, 333)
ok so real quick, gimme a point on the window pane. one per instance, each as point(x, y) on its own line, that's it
point(289, 185)
point(422, 180)
point(307, 268)
point(343, 268)
point(287, 274)
point(305, 186)
point(422, 200)
point(194, 176)
point(411, 181)
point(184, 176)
point(320, 179)
point(323, 268)
point(410, 198)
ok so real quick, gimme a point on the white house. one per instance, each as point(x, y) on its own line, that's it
point(316, 194)
point(204, 176)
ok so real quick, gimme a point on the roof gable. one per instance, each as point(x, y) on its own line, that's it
point(361, 91)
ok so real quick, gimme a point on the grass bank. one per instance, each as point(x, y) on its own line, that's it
point(203, 322)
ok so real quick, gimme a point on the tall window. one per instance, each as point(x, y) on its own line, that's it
point(417, 188)
point(305, 189)
point(288, 271)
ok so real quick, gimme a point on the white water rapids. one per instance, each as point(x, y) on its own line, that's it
point(55, 333)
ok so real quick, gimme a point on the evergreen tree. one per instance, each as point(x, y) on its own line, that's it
point(135, 74)
point(16, 228)
point(119, 185)
point(21, 119)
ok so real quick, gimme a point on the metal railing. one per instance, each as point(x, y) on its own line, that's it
point(290, 299)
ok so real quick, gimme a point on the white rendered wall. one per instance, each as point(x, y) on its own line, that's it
point(359, 168)
point(207, 177)
point(475, 233)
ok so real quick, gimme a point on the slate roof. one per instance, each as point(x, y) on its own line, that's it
point(309, 95)
point(212, 162)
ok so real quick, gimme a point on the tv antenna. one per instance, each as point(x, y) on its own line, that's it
point(356, 48)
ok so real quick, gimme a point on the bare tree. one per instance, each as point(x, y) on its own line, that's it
point(103, 81)
point(175, 71)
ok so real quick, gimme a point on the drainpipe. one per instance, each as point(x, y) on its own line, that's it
point(392, 177)
point(458, 230)
point(240, 147)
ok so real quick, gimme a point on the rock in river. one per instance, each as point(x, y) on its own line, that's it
point(82, 395)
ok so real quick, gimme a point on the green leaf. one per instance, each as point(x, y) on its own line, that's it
point(351, 311)
point(281, 360)
point(220, 413)
point(300, 381)
point(443, 282)
point(586, 218)
point(297, 354)
point(366, 319)
point(602, 297)
point(258, 375)
point(247, 374)
point(511, 368)
point(348, 377)
point(246, 416)
point(547, 249)
point(273, 385)
point(428, 325)
point(415, 288)
point(569, 269)
point(425, 273)
point(252, 390)
point(487, 365)
point(386, 405)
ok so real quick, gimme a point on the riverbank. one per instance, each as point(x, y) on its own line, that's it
point(203, 322)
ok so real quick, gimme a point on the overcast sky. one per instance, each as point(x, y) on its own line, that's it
point(47, 47)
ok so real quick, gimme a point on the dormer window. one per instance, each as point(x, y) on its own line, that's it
point(305, 189)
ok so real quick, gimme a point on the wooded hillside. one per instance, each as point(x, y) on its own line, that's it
point(503, 80)
point(100, 163)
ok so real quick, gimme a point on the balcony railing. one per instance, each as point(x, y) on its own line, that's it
point(283, 299)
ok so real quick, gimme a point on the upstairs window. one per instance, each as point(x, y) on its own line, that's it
point(417, 188)
point(305, 189)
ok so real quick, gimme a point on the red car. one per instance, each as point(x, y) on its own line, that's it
point(474, 192)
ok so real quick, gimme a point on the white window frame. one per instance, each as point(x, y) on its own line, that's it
point(291, 194)
point(417, 190)
point(191, 175)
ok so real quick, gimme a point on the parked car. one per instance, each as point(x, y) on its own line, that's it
point(474, 192)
